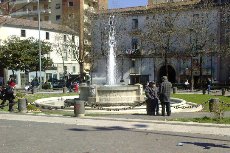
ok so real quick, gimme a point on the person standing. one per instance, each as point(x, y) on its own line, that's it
point(164, 95)
point(209, 85)
point(8, 94)
point(152, 100)
point(186, 84)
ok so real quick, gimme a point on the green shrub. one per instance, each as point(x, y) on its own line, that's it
point(46, 86)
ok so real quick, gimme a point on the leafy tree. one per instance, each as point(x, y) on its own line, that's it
point(23, 54)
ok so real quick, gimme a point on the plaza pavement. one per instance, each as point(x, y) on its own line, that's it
point(131, 121)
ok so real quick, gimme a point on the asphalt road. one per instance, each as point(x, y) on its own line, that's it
point(35, 137)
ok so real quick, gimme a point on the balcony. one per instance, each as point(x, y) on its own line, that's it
point(30, 13)
point(22, 1)
point(28, 1)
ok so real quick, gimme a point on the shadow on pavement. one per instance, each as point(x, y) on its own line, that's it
point(207, 145)
point(184, 135)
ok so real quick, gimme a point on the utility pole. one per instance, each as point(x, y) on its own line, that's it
point(39, 42)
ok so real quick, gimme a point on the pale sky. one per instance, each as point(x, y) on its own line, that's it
point(126, 3)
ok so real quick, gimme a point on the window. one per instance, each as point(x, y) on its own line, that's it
point(195, 18)
point(74, 69)
point(133, 63)
point(65, 69)
point(47, 35)
point(58, 17)
point(135, 23)
point(46, 18)
point(74, 55)
point(23, 33)
point(70, 4)
point(64, 38)
point(34, 7)
point(35, 18)
point(46, 6)
point(73, 38)
point(134, 44)
point(58, 6)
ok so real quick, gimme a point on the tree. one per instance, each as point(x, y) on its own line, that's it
point(23, 54)
point(163, 33)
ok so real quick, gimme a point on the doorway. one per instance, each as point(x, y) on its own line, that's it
point(171, 73)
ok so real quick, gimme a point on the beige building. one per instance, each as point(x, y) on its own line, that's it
point(74, 13)
point(181, 40)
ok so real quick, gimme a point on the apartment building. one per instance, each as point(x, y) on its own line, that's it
point(64, 60)
point(74, 13)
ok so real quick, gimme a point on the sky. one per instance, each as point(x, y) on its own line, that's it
point(126, 3)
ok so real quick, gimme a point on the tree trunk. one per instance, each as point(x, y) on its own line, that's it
point(201, 71)
point(192, 78)
point(166, 65)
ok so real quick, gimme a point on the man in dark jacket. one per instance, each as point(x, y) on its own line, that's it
point(152, 101)
point(165, 91)
point(7, 94)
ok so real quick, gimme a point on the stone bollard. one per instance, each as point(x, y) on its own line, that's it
point(214, 104)
point(223, 91)
point(79, 108)
point(22, 105)
point(64, 90)
point(34, 90)
point(203, 91)
point(174, 90)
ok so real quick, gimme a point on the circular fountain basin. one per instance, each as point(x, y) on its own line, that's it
point(116, 95)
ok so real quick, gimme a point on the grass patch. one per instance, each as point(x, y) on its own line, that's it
point(201, 99)
point(205, 119)
point(33, 97)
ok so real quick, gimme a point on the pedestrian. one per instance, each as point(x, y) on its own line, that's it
point(208, 85)
point(152, 99)
point(7, 94)
point(186, 84)
point(164, 95)
point(12, 83)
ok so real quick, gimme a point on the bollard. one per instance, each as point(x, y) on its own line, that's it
point(214, 104)
point(79, 108)
point(149, 107)
point(34, 90)
point(64, 90)
point(203, 91)
point(22, 105)
point(174, 90)
point(223, 91)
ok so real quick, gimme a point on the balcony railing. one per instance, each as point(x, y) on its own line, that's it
point(31, 13)
point(28, 1)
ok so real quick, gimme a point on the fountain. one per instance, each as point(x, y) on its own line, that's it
point(112, 94)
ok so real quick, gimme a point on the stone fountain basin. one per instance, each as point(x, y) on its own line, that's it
point(116, 95)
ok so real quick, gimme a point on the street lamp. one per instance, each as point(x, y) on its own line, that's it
point(39, 41)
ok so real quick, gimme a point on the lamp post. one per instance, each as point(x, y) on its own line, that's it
point(39, 42)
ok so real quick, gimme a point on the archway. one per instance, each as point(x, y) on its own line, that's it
point(171, 73)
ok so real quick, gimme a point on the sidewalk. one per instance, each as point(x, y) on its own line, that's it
point(139, 122)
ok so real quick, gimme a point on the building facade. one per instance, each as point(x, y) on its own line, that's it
point(64, 60)
point(181, 41)
point(74, 13)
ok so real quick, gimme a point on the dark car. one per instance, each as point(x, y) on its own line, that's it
point(59, 84)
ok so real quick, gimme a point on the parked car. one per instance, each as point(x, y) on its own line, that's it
point(59, 84)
